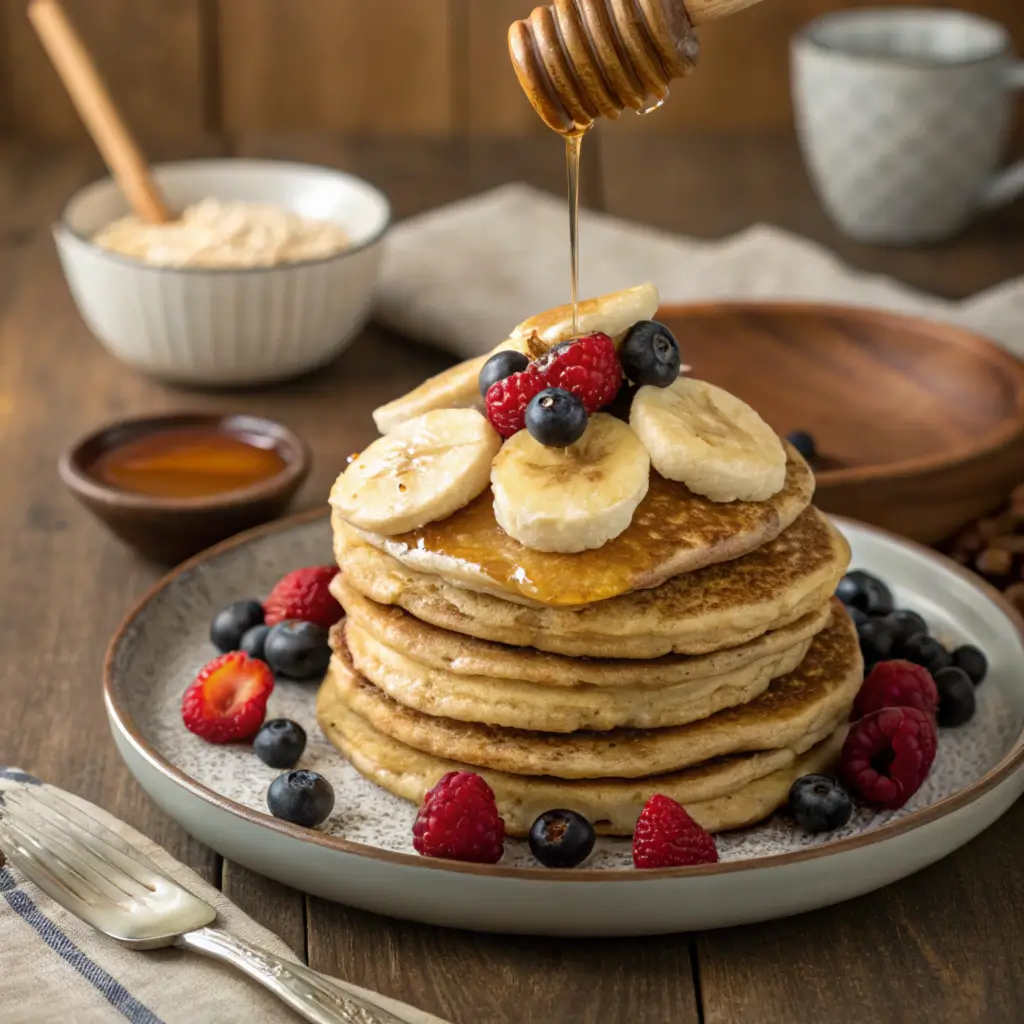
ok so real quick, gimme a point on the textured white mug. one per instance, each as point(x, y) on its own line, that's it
point(903, 115)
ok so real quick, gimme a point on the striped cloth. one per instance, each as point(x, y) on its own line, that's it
point(55, 968)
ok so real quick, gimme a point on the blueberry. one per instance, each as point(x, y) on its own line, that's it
point(561, 839)
point(956, 697)
point(280, 743)
point(297, 649)
point(927, 652)
point(649, 354)
point(972, 661)
point(230, 623)
point(866, 592)
point(556, 418)
point(622, 403)
point(253, 641)
point(819, 803)
point(876, 641)
point(301, 797)
point(500, 366)
point(859, 617)
point(905, 624)
point(804, 443)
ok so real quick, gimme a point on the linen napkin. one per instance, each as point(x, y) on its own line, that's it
point(55, 968)
point(462, 276)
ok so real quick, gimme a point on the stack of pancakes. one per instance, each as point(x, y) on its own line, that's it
point(699, 655)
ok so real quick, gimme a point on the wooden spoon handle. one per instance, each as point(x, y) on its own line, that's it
point(96, 107)
point(703, 11)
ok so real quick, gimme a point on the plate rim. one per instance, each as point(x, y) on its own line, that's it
point(121, 719)
point(1003, 434)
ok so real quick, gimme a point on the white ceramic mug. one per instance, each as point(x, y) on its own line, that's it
point(903, 115)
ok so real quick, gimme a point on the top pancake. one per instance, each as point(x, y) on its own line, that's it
point(673, 531)
point(718, 606)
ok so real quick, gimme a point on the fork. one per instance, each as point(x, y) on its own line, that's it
point(94, 873)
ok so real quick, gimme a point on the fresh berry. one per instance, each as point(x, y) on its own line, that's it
point(227, 701)
point(972, 661)
point(894, 684)
point(876, 641)
point(866, 592)
point(253, 641)
point(667, 837)
point(650, 354)
point(562, 839)
point(804, 443)
point(905, 624)
point(622, 403)
point(927, 652)
point(304, 594)
point(500, 366)
point(887, 756)
point(956, 697)
point(556, 418)
point(819, 804)
point(507, 400)
point(588, 368)
point(280, 743)
point(230, 623)
point(858, 617)
point(301, 797)
point(297, 650)
point(459, 820)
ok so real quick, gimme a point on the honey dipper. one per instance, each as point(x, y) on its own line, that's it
point(578, 60)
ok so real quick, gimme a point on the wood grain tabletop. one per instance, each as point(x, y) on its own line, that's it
point(944, 945)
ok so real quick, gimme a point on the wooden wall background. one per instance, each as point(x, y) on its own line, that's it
point(185, 68)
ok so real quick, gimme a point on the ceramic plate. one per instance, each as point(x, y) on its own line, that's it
point(363, 855)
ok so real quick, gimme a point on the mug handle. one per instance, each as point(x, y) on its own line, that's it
point(1008, 184)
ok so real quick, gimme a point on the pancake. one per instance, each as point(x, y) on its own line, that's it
point(796, 711)
point(724, 794)
point(719, 606)
point(673, 531)
point(467, 656)
point(556, 707)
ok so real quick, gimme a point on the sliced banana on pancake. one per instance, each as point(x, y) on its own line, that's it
point(709, 440)
point(423, 471)
point(458, 386)
point(570, 499)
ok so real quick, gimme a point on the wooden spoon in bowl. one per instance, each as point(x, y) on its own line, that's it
point(92, 100)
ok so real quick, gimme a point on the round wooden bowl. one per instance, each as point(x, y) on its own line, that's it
point(919, 425)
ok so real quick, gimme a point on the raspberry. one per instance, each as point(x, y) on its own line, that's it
point(507, 400)
point(227, 701)
point(667, 837)
point(304, 595)
point(894, 684)
point(459, 820)
point(589, 368)
point(887, 755)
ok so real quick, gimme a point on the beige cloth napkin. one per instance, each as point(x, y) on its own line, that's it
point(462, 276)
point(55, 968)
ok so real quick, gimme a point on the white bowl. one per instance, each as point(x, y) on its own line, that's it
point(228, 327)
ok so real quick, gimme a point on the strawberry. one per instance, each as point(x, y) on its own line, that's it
point(304, 595)
point(227, 701)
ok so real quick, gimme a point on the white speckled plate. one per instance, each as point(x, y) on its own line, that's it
point(363, 854)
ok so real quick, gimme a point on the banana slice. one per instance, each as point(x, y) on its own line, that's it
point(458, 387)
point(575, 498)
point(709, 440)
point(421, 472)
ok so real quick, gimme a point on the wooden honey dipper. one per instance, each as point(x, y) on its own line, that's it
point(578, 60)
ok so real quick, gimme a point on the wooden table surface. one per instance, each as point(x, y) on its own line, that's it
point(944, 945)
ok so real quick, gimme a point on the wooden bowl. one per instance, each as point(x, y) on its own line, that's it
point(920, 426)
point(169, 530)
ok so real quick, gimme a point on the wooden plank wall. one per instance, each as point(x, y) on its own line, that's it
point(438, 68)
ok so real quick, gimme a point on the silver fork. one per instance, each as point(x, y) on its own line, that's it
point(117, 889)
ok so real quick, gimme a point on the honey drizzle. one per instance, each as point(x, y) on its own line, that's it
point(573, 145)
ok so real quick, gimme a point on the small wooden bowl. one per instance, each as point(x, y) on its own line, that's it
point(920, 426)
point(169, 530)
